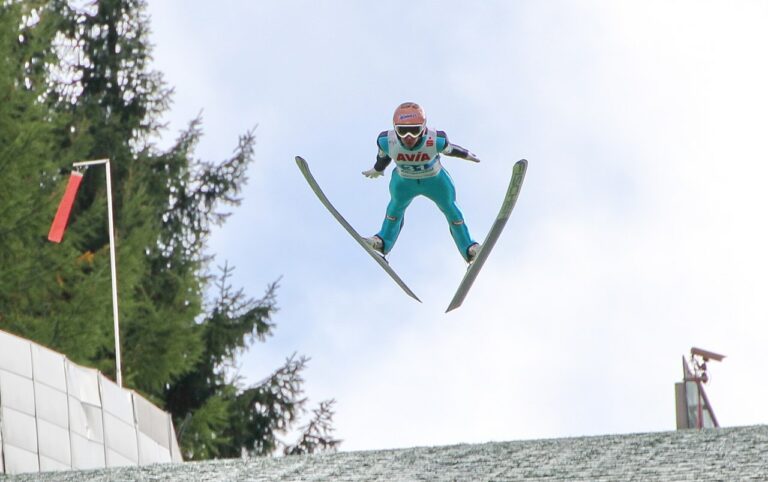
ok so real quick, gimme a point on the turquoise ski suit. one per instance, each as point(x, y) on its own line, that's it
point(419, 172)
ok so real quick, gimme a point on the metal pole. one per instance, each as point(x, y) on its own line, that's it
point(701, 409)
point(90, 163)
point(112, 262)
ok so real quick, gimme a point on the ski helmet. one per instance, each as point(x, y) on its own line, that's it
point(409, 120)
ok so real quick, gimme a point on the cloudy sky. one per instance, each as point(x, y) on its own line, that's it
point(640, 231)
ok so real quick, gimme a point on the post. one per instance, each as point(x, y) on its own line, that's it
point(112, 262)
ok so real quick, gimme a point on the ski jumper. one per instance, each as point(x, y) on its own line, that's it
point(418, 171)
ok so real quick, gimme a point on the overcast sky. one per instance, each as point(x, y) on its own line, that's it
point(639, 233)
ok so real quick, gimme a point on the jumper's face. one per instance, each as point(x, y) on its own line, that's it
point(409, 135)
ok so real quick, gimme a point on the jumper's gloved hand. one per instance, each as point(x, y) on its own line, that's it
point(372, 173)
point(472, 157)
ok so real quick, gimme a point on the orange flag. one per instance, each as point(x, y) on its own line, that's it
point(65, 207)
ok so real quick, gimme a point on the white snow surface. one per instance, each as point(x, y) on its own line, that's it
point(716, 454)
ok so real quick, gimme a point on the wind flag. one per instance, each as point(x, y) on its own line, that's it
point(65, 208)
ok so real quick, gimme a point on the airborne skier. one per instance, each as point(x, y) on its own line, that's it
point(416, 150)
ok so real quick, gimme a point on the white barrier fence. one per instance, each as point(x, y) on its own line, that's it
point(56, 415)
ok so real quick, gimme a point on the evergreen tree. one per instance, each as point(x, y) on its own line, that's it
point(43, 291)
point(80, 87)
point(316, 434)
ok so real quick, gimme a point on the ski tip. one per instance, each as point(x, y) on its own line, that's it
point(452, 307)
point(411, 294)
point(300, 159)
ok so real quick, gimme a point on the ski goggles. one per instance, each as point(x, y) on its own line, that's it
point(409, 130)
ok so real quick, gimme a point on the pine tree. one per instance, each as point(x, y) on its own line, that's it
point(80, 87)
point(316, 434)
point(43, 291)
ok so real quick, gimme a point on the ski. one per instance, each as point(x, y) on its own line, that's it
point(376, 256)
point(513, 191)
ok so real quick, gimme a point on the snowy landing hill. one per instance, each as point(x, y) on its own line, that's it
point(739, 453)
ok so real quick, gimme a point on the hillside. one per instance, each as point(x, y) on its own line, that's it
point(725, 454)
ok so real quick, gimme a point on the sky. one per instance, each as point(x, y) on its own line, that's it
point(639, 233)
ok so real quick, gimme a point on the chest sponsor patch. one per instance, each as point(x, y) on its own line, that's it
point(415, 157)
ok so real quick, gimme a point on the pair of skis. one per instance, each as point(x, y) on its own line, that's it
point(513, 191)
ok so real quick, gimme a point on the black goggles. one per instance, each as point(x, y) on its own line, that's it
point(409, 130)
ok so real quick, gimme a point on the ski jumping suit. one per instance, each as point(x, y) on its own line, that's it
point(419, 172)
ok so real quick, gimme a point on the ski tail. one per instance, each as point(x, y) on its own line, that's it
point(304, 167)
point(513, 191)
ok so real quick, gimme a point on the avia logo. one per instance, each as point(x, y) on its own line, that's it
point(415, 157)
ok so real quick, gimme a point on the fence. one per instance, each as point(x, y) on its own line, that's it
point(56, 415)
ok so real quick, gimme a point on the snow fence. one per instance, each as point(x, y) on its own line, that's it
point(56, 415)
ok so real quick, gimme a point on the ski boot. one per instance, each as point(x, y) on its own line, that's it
point(375, 243)
point(472, 252)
